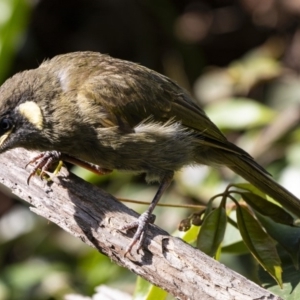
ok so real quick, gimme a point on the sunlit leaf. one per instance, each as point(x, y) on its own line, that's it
point(251, 188)
point(191, 235)
point(144, 290)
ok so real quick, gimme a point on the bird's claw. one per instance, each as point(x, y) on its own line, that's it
point(43, 162)
point(141, 225)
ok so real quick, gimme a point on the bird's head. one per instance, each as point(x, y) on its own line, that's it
point(21, 116)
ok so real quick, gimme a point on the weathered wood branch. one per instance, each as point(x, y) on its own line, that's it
point(95, 217)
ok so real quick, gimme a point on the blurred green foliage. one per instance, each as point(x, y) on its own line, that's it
point(14, 15)
point(240, 61)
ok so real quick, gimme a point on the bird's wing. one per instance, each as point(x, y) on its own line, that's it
point(131, 94)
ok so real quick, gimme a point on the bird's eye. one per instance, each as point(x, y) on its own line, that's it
point(5, 124)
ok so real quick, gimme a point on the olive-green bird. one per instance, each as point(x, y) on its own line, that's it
point(111, 114)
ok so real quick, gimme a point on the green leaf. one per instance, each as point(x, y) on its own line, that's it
point(236, 248)
point(212, 231)
point(144, 290)
point(14, 17)
point(260, 244)
point(268, 209)
point(191, 235)
point(233, 242)
point(291, 279)
point(288, 237)
point(251, 188)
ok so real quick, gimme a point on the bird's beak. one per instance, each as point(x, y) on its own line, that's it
point(5, 136)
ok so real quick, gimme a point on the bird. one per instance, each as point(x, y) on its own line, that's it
point(110, 114)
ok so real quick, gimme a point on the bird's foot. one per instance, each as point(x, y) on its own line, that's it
point(43, 162)
point(141, 225)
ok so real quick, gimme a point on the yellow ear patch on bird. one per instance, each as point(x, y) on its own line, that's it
point(32, 112)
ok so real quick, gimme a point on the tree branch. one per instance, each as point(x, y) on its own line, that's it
point(95, 217)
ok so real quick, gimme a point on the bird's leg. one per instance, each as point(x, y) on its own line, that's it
point(44, 161)
point(86, 165)
point(141, 224)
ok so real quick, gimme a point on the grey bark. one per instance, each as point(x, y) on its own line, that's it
point(95, 217)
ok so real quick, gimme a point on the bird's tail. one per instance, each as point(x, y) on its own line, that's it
point(246, 167)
